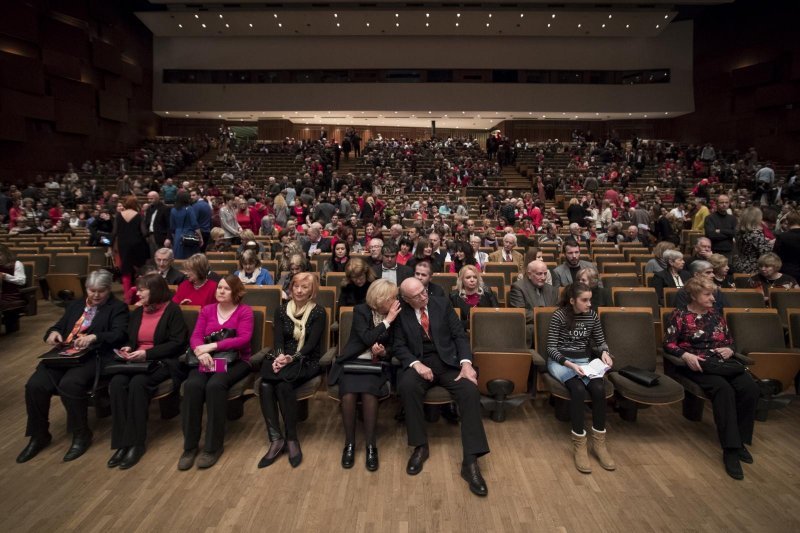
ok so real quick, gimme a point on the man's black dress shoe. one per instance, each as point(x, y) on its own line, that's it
point(117, 458)
point(416, 460)
point(35, 445)
point(732, 465)
point(78, 448)
point(372, 457)
point(744, 455)
point(132, 457)
point(450, 413)
point(472, 474)
point(349, 455)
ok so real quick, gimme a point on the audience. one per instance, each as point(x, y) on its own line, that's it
point(198, 288)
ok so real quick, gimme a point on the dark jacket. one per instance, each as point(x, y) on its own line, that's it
point(663, 279)
point(160, 225)
point(363, 334)
point(488, 299)
point(324, 246)
point(447, 334)
point(170, 338)
point(110, 323)
point(721, 242)
point(403, 272)
point(787, 246)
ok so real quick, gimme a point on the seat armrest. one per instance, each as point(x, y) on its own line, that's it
point(538, 359)
point(258, 358)
point(396, 362)
point(743, 358)
point(676, 361)
point(327, 358)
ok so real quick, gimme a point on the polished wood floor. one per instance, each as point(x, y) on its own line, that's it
point(669, 476)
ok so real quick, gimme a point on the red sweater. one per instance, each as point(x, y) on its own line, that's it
point(203, 296)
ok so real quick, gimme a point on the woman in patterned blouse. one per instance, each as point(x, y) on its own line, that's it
point(698, 334)
point(769, 275)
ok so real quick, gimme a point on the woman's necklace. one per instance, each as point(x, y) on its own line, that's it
point(197, 286)
point(223, 317)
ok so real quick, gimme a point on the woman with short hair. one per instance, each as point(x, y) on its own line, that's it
point(158, 334)
point(100, 323)
point(207, 386)
point(299, 325)
point(358, 276)
point(250, 270)
point(601, 296)
point(674, 276)
point(722, 275)
point(197, 288)
point(769, 275)
point(699, 335)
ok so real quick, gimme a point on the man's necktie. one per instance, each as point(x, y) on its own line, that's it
point(423, 320)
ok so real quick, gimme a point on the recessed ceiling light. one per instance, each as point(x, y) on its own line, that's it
point(429, 112)
point(337, 24)
point(487, 24)
point(610, 16)
point(456, 24)
point(627, 25)
point(463, 112)
point(397, 24)
point(579, 25)
point(629, 114)
point(220, 116)
point(458, 14)
point(554, 15)
point(427, 25)
point(220, 16)
point(603, 26)
point(196, 16)
point(167, 112)
point(204, 25)
point(227, 25)
point(490, 15)
point(275, 15)
point(180, 25)
point(336, 15)
point(396, 15)
point(658, 26)
point(367, 24)
point(645, 116)
point(251, 24)
point(597, 114)
point(522, 15)
point(666, 17)
point(185, 115)
point(280, 25)
point(548, 24)
point(530, 112)
point(666, 112)
point(427, 15)
point(544, 116)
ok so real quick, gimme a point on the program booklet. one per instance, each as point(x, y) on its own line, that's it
point(596, 368)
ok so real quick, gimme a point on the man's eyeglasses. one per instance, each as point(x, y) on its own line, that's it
point(419, 296)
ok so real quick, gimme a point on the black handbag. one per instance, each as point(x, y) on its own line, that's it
point(640, 376)
point(717, 366)
point(362, 367)
point(190, 240)
point(65, 357)
point(123, 366)
point(229, 355)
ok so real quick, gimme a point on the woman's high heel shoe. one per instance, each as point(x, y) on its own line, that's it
point(276, 448)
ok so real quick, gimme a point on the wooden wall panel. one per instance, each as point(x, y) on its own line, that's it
point(12, 127)
point(132, 72)
point(19, 20)
point(61, 65)
point(27, 105)
point(21, 73)
point(117, 85)
point(112, 106)
point(67, 39)
point(106, 57)
point(74, 117)
point(80, 93)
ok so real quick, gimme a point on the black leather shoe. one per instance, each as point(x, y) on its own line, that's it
point(117, 458)
point(132, 457)
point(450, 413)
point(744, 455)
point(276, 448)
point(372, 458)
point(79, 447)
point(472, 475)
point(349, 455)
point(35, 445)
point(295, 453)
point(416, 460)
point(732, 465)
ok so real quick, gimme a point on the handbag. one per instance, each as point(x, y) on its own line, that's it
point(123, 366)
point(640, 376)
point(362, 367)
point(65, 357)
point(190, 240)
point(215, 336)
point(717, 366)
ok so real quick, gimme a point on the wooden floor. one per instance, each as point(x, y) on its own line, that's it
point(669, 476)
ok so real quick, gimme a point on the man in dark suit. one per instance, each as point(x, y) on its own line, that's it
point(389, 269)
point(433, 348)
point(163, 259)
point(156, 222)
point(422, 271)
point(315, 244)
point(530, 292)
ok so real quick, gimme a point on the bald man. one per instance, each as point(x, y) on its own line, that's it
point(720, 228)
point(434, 350)
point(532, 291)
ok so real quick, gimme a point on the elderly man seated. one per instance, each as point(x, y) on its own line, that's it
point(532, 291)
point(163, 260)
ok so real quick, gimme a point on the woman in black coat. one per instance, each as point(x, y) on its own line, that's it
point(157, 334)
point(673, 276)
point(99, 322)
point(357, 278)
point(471, 292)
point(368, 344)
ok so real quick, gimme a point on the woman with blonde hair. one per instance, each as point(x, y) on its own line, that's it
point(299, 327)
point(751, 241)
point(471, 292)
point(197, 288)
point(657, 263)
point(281, 210)
point(358, 277)
point(218, 242)
point(722, 276)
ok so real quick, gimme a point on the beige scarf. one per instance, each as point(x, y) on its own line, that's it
point(299, 332)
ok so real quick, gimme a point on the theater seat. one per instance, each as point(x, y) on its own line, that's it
point(632, 342)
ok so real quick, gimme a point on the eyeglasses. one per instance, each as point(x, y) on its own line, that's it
point(420, 295)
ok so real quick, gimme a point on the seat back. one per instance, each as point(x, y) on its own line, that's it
point(741, 281)
point(326, 297)
point(794, 326)
point(345, 325)
point(636, 297)
point(320, 259)
point(41, 263)
point(190, 314)
point(783, 299)
point(69, 263)
point(541, 321)
point(268, 296)
point(65, 282)
point(497, 328)
point(670, 294)
point(509, 270)
point(445, 280)
point(619, 280)
point(755, 330)
point(259, 327)
point(497, 281)
point(630, 336)
point(620, 268)
point(744, 298)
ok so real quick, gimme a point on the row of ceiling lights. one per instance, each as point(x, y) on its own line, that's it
point(429, 112)
point(427, 24)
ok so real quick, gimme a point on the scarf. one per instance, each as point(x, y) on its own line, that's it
point(251, 278)
point(299, 332)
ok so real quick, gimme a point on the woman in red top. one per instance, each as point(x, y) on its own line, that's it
point(197, 288)
point(243, 216)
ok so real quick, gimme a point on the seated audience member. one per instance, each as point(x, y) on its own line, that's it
point(699, 335)
point(388, 268)
point(218, 241)
point(787, 243)
point(674, 275)
point(198, 288)
point(481, 258)
point(357, 278)
point(507, 254)
point(701, 269)
point(338, 260)
point(204, 384)
point(534, 253)
point(251, 272)
point(589, 276)
point(288, 250)
point(657, 263)
point(163, 259)
point(370, 341)
point(701, 250)
point(100, 323)
point(530, 292)
point(404, 253)
point(316, 243)
point(299, 326)
point(462, 255)
point(769, 275)
point(574, 338)
point(471, 292)
point(375, 250)
point(433, 348)
point(297, 263)
point(722, 276)
point(564, 274)
point(249, 242)
point(425, 252)
point(156, 333)
point(422, 271)
point(12, 279)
